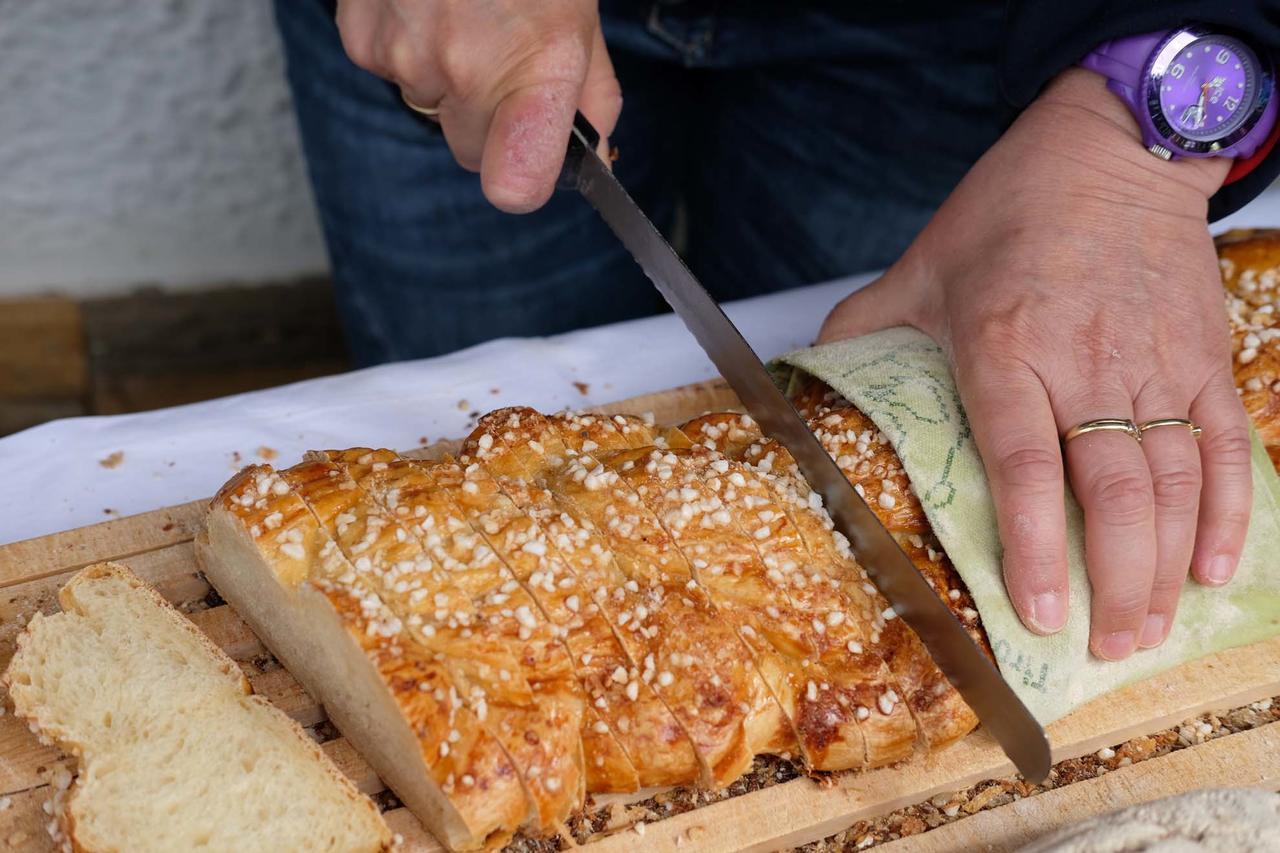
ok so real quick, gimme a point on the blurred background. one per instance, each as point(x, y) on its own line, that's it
point(158, 241)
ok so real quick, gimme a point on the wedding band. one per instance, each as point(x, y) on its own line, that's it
point(1181, 422)
point(429, 112)
point(1102, 424)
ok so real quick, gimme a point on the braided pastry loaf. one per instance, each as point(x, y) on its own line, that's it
point(583, 603)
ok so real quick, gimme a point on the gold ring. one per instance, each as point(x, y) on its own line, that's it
point(1124, 425)
point(429, 112)
point(1182, 422)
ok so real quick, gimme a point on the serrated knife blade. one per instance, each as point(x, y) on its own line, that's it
point(957, 655)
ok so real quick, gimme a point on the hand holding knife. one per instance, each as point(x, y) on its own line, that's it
point(955, 652)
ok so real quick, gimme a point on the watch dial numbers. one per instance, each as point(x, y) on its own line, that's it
point(1207, 87)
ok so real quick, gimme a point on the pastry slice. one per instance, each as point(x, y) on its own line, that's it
point(266, 553)
point(404, 486)
point(538, 731)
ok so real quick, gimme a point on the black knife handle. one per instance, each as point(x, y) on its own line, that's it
point(583, 138)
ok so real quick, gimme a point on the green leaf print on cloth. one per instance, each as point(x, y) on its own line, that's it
point(900, 379)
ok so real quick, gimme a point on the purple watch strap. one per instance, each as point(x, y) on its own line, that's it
point(1123, 60)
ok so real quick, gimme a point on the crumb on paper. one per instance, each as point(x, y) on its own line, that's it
point(463, 405)
point(423, 440)
point(268, 453)
point(236, 459)
point(112, 461)
point(582, 387)
point(495, 391)
point(114, 513)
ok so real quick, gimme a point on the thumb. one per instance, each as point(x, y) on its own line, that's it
point(891, 300)
point(601, 99)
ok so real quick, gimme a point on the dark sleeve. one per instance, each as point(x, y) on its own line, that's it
point(1043, 37)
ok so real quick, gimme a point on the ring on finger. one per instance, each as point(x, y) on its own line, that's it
point(429, 112)
point(1124, 425)
point(1163, 422)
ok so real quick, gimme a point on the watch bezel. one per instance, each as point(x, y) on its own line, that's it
point(1154, 74)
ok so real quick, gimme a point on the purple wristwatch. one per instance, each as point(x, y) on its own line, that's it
point(1196, 92)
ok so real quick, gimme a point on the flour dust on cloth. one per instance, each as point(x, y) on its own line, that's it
point(900, 379)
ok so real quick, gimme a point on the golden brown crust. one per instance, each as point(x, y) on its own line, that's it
point(508, 447)
point(458, 752)
point(479, 640)
point(1250, 263)
point(939, 713)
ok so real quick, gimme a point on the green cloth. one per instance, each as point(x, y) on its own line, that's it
point(900, 379)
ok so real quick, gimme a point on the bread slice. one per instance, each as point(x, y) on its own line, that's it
point(173, 751)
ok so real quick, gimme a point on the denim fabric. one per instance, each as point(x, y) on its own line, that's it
point(801, 141)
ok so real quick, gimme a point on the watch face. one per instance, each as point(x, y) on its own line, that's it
point(1205, 91)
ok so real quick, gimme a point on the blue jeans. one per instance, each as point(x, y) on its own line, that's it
point(794, 142)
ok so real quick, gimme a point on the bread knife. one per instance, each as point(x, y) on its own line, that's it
point(956, 653)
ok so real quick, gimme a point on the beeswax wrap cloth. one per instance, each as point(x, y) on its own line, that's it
point(900, 379)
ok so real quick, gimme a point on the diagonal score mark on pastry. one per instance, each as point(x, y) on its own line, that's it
point(413, 491)
point(509, 450)
point(266, 552)
point(534, 717)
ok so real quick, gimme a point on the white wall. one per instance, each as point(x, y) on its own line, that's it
point(147, 141)
point(153, 142)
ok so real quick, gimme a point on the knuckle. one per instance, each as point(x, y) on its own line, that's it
point(1228, 446)
point(1124, 602)
point(1176, 486)
point(361, 51)
point(562, 55)
point(1123, 495)
point(403, 61)
point(457, 69)
point(1167, 586)
point(1028, 466)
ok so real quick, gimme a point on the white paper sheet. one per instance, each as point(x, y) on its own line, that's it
point(54, 478)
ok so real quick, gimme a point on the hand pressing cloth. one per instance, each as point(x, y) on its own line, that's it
point(900, 379)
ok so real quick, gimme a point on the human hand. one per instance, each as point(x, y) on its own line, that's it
point(1070, 276)
point(505, 75)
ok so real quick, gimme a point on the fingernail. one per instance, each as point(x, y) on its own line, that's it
point(1152, 631)
point(1048, 612)
point(1219, 571)
point(1116, 646)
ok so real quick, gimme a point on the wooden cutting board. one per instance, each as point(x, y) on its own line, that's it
point(158, 547)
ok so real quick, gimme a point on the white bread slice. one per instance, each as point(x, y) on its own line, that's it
point(174, 753)
point(393, 702)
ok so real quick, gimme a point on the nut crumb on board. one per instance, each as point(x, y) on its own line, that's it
point(463, 405)
point(946, 808)
point(114, 513)
point(112, 460)
point(583, 388)
point(267, 453)
point(615, 818)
